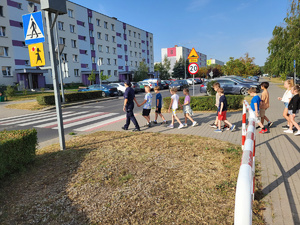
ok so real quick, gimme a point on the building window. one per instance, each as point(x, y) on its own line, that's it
point(91, 33)
point(107, 49)
point(101, 61)
point(76, 72)
point(115, 73)
point(64, 57)
point(75, 58)
point(105, 25)
point(19, 6)
point(72, 28)
point(99, 35)
point(2, 31)
point(62, 41)
point(129, 32)
point(1, 11)
point(113, 38)
point(139, 45)
point(112, 27)
point(70, 13)
point(108, 61)
point(136, 63)
point(106, 37)
point(135, 54)
point(26, 62)
point(135, 44)
point(115, 62)
point(73, 42)
point(3, 51)
point(131, 63)
point(93, 59)
point(6, 70)
point(100, 48)
point(131, 53)
point(60, 25)
point(134, 34)
point(90, 19)
point(129, 43)
point(98, 22)
point(151, 39)
point(108, 72)
point(140, 55)
point(139, 35)
point(92, 47)
point(114, 50)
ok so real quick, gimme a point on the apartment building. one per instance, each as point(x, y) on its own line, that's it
point(87, 36)
point(177, 52)
point(214, 62)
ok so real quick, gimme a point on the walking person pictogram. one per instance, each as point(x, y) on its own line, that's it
point(33, 26)
point(38, 55)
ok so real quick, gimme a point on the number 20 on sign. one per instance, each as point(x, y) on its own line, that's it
point(193, 68)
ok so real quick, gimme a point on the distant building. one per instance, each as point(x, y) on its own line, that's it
point(88, 36)
point(215, 61)
point(175, 53)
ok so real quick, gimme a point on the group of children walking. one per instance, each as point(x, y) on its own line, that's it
point(291, 100)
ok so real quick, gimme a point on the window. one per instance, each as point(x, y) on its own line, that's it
point(108, 61)
point(139, 35)
point(98, 22)
point(19, 5)
point(26, 62)
point(129, 32)
point(135, 54)
point(129, 43)
point(76, 72)
point(108, 72)
point(91, 33)
point(130, 53)
point(62, 41)
point(93, 59)
point(1, 11)
point(64, 57)
point(73, 42)
point(135, 44)
point(106, 37)
point(136, 63)
point(140, 55)
point(113, 38)
point(131, 63)
point(2, 31)
point(151, 39)
point(70, 13)
point(114, 50)
point(134, 34)
point(6, 70)
point(101, 61)
point(75, 58)
point(112, 27)
point(90, 19)
point(92, 47)
point(100, 48)
point(60, 25)
point(105, 25)
point(115, 62)
point(115, 73)
point(99, 35)
point(107, 49)
point(139, 45)
point(3, 51)
point(72, 28)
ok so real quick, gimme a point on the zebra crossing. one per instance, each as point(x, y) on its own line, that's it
point(79, 121)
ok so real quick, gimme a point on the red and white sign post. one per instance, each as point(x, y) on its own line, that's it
point(193, 69)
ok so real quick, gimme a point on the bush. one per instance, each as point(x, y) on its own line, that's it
point(17, 149)
point(69, 97)
point(209, 89)
point(207, 103)
point(10, 91)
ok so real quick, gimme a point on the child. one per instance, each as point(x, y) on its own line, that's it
point(158, 106)
point(222, 110)
point(147, 105)
point(187, 110)
point(174, 104)
point(293, 108)
point(264, 104)
point(288, 84)
point(255, 103)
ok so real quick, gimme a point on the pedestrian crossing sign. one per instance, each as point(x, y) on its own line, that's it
point(33, 28)
point(36, 54)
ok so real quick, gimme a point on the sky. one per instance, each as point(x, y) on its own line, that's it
point(218, 28)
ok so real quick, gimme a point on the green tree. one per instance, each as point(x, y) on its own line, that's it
point(104, 77)
point(163, 68)
point(178, 69)
point(92, 77)
point(142, 72)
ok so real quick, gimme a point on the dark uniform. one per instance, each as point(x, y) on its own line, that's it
point(129, 94)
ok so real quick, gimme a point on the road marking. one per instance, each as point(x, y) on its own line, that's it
point(22, 116)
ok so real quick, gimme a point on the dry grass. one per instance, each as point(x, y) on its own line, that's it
point(126, 178)
point(27, 106)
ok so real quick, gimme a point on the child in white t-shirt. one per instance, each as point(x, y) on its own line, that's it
point(287, 96)
point(174, 104)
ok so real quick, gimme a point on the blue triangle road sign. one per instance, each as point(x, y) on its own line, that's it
point(33, 28)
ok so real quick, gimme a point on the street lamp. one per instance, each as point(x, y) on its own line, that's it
point(99, 64)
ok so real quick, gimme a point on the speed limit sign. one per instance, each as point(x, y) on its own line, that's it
point(193, 68)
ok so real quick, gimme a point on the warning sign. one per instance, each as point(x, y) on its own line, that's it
point(36, 54)
point(193, 54)
point(33, 28)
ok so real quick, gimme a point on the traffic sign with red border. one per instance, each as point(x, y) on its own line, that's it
point(193, 68)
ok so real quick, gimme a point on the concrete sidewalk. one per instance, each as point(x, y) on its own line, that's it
point(278, 153)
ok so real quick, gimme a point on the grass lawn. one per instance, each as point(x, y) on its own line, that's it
point(27, 106)
point(126, 178)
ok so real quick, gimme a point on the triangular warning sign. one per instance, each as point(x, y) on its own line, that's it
point(33, 30)
point(193, 54)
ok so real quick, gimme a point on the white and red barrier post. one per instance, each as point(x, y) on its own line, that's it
point(246, 179)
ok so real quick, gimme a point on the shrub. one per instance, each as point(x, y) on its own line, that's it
point(10, 91)
point(17, 149)
point(207, 103)
point(209, 89)
point(69, 97)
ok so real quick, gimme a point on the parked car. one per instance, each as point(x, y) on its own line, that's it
point(198, 80)
point(164, 84)
point(120, 86)
point(191, 80)
point(136, 87)
point(254, 78)
point(179, 84)
point(244, 80)
point(230, 86)
point(107, 90)
point(142, 85)
point(150, 84)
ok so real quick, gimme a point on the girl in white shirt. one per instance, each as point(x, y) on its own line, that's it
point(287, 96)
point(174, 104)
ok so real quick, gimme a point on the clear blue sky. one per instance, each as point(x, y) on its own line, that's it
point(218, 28)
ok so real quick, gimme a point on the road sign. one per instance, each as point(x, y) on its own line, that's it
point(33, 28)
point(193, 60)
point(36, 54)
point(193, 54)
point(193, 68)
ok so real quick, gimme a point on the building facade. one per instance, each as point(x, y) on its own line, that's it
point(215, 62)
point(175, 53)
point(87, 36)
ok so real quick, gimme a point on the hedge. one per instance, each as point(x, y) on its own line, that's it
point(207, 103)
point(17, 149)
point(69, 97)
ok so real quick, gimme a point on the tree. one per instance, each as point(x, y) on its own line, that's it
point(203, 71)
point(104, 77)
point(178, 69)
point(142, 72)
point(216, 69)
point(163, 68)
point(92, 77)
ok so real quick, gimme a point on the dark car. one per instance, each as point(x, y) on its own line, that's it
point(107, 90)
point(230, 86)
point(179, 84)
point(244, 80)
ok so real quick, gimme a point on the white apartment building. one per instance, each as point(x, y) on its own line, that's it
point(215, 62)
point(87, 36)
point(175, 53)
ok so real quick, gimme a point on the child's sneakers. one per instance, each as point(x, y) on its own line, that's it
point(270, 124)
point(288, 131)
point(164, 122)
point(171, 126)
point(285, 127)
point(218, 131)
point(195, 123)
point(226, 127)
point(263, 131)
point(213, 125)
point(297, 133)
point(232, 128)
point(185, 124)
point(155, 122)
point(180, 126)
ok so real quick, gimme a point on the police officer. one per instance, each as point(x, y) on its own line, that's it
point(129, 97)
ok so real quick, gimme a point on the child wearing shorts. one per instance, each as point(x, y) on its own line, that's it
point(158, 104)
point(287, 96)
point(187, 110)
point(147, 105)
point(293, 109)
point(174, 104)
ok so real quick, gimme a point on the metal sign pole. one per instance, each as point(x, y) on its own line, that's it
point(193, 84)
point(55, 80)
